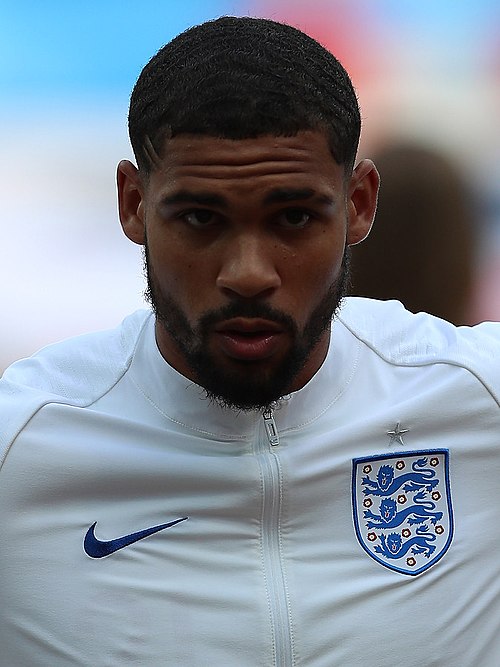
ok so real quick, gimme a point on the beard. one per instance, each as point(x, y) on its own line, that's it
point(248, 386)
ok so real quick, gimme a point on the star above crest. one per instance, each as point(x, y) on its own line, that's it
point(396, 435)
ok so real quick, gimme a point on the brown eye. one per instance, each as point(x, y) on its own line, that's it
point(199, 217)
point(295, 217)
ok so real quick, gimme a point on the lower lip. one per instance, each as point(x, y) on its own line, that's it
point(256, 347)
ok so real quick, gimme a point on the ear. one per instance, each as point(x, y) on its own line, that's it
point(131, 201)
point(362, 201)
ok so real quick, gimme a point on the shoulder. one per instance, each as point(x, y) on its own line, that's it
point(76, 371)
point(404, 338)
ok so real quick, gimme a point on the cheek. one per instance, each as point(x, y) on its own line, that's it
point(307, 285)
point(182, 277)
point(314, 271)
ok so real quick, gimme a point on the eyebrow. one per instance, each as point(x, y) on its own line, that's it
point(279, 195)
point(188, 197)
point(296, 194)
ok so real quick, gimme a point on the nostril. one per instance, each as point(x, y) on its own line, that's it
point(248, 277)
point(246, 291)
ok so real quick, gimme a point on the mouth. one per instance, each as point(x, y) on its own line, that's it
point(249, 339)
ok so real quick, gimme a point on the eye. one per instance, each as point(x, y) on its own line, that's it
point(295, 217)
point(199, 217)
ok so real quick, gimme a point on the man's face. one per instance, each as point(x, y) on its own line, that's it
point(245, 246)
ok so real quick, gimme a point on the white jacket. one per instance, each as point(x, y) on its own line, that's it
point(367, 536)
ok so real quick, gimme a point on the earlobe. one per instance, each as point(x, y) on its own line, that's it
point(130, 201)
point(362, 201)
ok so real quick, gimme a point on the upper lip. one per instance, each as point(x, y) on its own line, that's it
point(248, 326)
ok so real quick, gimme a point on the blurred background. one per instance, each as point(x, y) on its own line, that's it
point(428, 79)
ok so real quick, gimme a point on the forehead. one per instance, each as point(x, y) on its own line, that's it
point(200, 160)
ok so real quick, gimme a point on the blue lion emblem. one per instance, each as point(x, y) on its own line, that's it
point(402, 508)
point(386, 483)
point(389, 517)
point(394, 547)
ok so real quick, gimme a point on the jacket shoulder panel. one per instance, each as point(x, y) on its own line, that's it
point(76, 371)
point(407, 339)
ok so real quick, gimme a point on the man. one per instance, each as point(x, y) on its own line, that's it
point(260, 472)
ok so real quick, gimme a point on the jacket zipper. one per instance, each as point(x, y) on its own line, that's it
point(271, 544)
point(271, 429)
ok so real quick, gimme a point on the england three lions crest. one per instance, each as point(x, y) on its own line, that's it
point(402, 508)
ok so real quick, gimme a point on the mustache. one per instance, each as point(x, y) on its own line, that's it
point(246, 309)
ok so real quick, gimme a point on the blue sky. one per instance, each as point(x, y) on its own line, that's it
point(101, 45)
point(95, 45)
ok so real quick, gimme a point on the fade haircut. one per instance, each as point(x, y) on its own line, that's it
point(240, 78)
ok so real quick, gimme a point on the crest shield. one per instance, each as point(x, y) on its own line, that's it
point(402, 508)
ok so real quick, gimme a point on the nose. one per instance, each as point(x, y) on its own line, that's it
point(248, 268)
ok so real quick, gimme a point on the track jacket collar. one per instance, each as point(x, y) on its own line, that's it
point(184, 402)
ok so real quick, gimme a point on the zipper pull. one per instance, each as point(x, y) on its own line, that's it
point(271, 430)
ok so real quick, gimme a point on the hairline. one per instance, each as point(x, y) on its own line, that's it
point(145, 171)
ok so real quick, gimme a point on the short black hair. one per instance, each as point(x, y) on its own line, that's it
point(239, 78)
